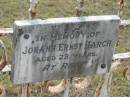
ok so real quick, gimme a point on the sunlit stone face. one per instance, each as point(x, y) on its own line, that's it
point(63, 47)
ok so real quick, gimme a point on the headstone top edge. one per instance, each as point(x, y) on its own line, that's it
point(28, 22)
point(67, 20)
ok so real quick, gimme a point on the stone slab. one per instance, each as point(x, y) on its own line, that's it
point(61, 48)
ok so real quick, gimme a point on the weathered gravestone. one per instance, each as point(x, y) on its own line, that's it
point(63, 47)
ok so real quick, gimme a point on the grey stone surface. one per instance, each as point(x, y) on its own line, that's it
point(63, 47)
